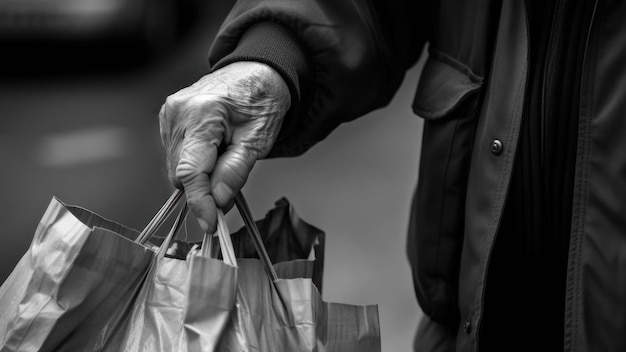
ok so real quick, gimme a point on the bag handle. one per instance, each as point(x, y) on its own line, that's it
point(180, 219)
point(253, 230)
point(223, 234)
point(226, 244)
point(160, 217)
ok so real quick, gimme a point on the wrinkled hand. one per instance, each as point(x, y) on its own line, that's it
point(241, 105)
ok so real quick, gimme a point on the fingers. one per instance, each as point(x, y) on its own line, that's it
point(191, 133)
point(197, 158)
point(230, 173)
point(242, 104)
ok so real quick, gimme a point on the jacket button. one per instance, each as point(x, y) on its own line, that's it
point(467, 326)
point(496, 147)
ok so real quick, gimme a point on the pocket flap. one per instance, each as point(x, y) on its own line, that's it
point(443, 85)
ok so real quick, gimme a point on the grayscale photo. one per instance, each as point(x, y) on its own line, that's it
point(313, 175)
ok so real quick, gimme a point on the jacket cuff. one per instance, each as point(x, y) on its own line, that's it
point(274, 45)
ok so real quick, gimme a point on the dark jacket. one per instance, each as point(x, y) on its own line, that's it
point(471, 95)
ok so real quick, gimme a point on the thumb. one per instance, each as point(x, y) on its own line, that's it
point(231, 172)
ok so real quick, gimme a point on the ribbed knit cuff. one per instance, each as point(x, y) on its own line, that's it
point(274, 45)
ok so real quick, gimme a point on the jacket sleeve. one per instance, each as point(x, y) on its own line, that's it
point(357, 52)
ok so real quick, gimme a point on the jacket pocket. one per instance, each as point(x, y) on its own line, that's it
point(447, 98)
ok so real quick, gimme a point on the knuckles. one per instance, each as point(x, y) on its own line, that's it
point(239, 100)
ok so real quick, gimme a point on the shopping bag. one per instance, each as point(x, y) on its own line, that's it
point(192, 284)
point(277, 311)
point(88, 284)
point(152, 320)
point(290, 315)
point(77, 263)
point(182, 305)
point(77, 282)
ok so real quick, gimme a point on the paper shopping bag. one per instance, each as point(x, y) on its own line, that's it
point(183, 304)
point(152, 320)
point(279, 308)
point(77, 263)
point(290, 315)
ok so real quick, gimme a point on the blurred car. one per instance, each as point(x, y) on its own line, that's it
point(146, 24)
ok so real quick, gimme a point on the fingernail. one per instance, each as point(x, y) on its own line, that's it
point(222, 192)
point(203, 225)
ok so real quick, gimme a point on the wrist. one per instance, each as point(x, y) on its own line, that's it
point(275, 46)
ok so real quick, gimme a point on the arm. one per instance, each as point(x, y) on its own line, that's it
point(348, 58)
point(356, 55)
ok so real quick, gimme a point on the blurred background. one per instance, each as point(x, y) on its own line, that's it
point(81, 84)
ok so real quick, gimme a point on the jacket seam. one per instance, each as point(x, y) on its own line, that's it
point(584, 136)
point(454, 63)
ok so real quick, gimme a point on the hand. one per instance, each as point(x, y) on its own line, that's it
point(241, 106)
